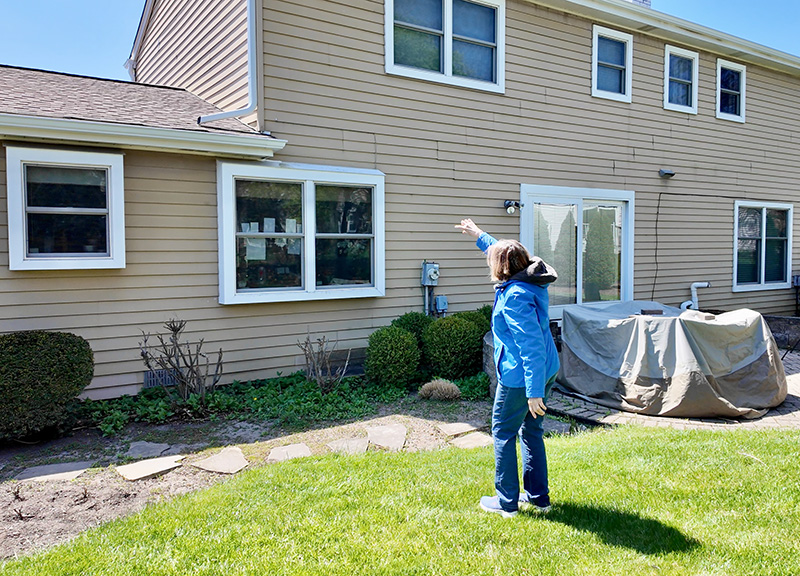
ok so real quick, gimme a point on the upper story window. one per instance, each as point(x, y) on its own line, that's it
point(65, 209)
point(680, 79)
point(299, 233)
point(730, 90)
point(450, 41)
point(612, 64)
point(763, 246)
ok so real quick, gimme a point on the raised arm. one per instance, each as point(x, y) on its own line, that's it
point(467, 226)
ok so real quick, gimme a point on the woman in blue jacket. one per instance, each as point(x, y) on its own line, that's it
point(527, 364)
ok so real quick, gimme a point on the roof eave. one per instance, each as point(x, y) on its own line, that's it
point(39, 128)
point(653, 23)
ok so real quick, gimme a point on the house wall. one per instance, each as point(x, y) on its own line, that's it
point(171, 271)
point(199, 45)
point(450, 152)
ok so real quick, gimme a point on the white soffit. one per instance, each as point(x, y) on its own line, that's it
point(37, 128)
point(647, 21)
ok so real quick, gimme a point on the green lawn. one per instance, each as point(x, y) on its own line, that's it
point(626, 501)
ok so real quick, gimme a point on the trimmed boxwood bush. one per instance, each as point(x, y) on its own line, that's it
point(414, 322)
point(40, 373)
point(392, 357)
point(486, 311)
point(476, 318)
point(453, 346)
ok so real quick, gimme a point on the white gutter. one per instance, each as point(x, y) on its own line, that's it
point(39, 128)
point(657, 24)
point(251, 72)
point(130, 63)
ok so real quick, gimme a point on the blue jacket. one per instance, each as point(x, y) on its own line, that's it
point(524, 351)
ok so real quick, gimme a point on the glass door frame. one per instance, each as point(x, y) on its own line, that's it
point(531, 194)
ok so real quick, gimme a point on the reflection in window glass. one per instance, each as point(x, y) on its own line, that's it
point(342, 262)
point(269, 247)
point(680, 80)
point(762, 245)
point(610, 65)
point(602, 250)
point(556, 242)
point(343, 209)
point(66, 211)
point(730, 92)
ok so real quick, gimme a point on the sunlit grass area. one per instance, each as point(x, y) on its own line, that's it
point(626, 501)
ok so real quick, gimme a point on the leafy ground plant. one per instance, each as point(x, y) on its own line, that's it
point(627, 501)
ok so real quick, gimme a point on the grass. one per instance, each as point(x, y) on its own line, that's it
point(627, 501)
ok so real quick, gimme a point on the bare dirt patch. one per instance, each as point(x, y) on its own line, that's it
point(37, 515)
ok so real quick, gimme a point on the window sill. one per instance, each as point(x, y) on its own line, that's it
point(266, 297)
point(730, 117)
point(679, 108)
point(626, 98)
point(439, 78)
point(761, 287)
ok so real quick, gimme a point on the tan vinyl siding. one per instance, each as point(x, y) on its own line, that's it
point(450, 152)
point(199, 45)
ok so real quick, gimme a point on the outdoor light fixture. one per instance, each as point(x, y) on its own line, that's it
point(664, 173)
point(511, 206)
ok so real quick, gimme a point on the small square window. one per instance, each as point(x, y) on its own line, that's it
point(731, 83)
point(680, 79)
point(612, 57)
point(65, 209)
point(451, 41)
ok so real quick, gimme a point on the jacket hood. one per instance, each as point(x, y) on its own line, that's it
point(539, 273)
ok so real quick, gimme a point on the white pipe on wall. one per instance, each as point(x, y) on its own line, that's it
point(693, 303)
point(251, 71)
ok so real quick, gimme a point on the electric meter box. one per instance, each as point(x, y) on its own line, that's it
point(430, 274)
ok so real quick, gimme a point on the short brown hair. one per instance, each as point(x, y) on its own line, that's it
point(505, 258)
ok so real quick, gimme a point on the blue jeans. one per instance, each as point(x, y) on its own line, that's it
point(511, 417)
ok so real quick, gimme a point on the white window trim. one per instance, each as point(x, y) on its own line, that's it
point(742, 69)
point(228, 172)
point(16, 159)
point(531, 193)
point(669, 50)
point(598, 31)
point(789, 227)
point(447, 77)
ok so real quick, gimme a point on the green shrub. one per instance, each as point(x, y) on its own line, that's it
point(392, 357)
point(414, 322)
point(474, 387)
point(453, 346)
point(486, 311)
point(476, 318)
point(40, 373)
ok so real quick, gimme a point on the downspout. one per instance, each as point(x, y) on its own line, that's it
point(251, 72)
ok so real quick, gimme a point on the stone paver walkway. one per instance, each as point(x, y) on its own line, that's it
point(786, 416)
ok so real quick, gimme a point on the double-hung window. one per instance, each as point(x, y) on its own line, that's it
point(612, 64)
point(456, 42)
point(299, 233)
point(65, 209)
point(586, 234)
point(763, 246)
point(731, 90)
point(680, 79)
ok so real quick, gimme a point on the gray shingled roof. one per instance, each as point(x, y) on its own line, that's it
point(28, 92)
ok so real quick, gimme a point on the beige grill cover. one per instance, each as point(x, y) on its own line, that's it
point(686, 364)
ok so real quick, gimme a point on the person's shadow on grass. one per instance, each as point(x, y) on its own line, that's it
point(618, 528)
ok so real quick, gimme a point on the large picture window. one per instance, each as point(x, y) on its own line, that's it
point(299, 233)
point(452, 41)
point(763, 246)
point(65, 209)
point(587, 235)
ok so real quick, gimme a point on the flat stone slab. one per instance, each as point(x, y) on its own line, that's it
point(65, 471)
point(149, 468)
point(555, 426)
point(349, 445)
point(391, 437)
point(142, 450)
point(472, 440)
point(455, 429)
point(229, 461)
point(283, 453)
